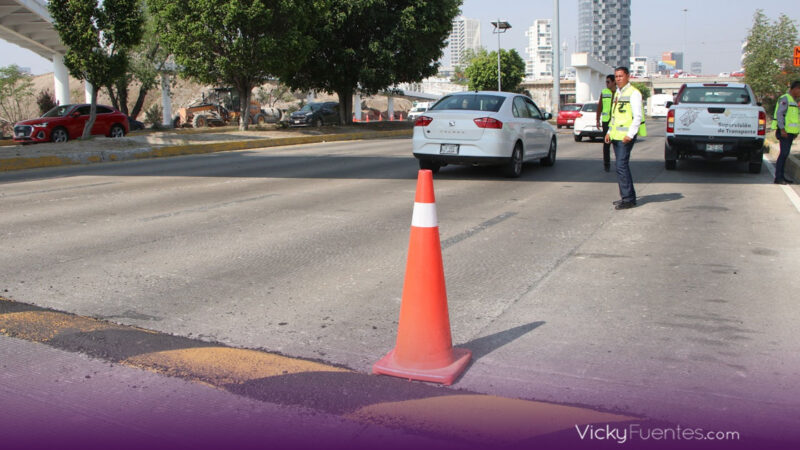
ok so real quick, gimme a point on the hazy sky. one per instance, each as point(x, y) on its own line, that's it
point(712, 31)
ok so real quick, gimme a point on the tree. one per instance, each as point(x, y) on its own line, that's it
point(642, 87)
point(482, 71)
point(768, 65)
point(370, 45)
point(145, 61)
point(98, 36)
point(15, 89)
point(239, 43)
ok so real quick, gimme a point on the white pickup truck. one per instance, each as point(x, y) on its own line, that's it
point(715, 120)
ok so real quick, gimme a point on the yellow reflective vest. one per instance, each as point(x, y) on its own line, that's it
point(622, 115)
point(606, 96)
point(792, 120)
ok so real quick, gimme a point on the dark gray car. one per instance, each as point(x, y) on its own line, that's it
point(315, 115)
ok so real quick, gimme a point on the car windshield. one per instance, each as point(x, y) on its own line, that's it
point(590, 107)
point(715, 94)
point(311, 107)
point(469, 102)
point(571, 108)
point(58, 111)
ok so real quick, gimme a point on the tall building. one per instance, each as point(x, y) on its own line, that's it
point(466, 34)
point(604, 30)
point(539, 50)
point(674, 59)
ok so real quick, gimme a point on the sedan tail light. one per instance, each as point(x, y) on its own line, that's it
point(488, 122)
point(762, 123)
point(423, 121)
point(671, 121)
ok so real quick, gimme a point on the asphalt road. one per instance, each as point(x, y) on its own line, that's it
point(681, 309)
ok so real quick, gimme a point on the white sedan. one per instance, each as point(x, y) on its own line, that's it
point(484, 128)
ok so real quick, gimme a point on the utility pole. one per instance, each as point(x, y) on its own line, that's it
point(556, 61)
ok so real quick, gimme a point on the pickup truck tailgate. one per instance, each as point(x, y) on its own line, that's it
point(717, 121)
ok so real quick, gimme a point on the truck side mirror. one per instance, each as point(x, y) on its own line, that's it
point(669, 104)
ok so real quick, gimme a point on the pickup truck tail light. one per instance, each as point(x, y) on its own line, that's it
point(488, 122)
point(762, 123)
point(671, 121)
point(423, 121)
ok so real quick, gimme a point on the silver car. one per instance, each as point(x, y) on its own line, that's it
point(484, 128)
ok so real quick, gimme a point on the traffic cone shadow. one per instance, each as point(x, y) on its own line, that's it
point(424, 349)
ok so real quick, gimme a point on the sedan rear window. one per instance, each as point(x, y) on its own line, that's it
point(470, 102)
point(590, 107)
point(715, 94)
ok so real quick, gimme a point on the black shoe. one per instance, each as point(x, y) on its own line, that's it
point(782, 182)
point(625, 205)
point(607, 167)
point(617, 202)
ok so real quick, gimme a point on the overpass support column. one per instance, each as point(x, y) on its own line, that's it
point(357, 106)
point(589, 75)
point(390, 108)
point(61, 76)
point(166, 102)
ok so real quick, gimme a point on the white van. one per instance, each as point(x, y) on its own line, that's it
point(658, 105)
point(417, 109)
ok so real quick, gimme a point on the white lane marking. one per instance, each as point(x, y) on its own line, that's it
point(793, 197)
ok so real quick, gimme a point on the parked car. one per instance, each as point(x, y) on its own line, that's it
point(66, 122)
point(134, 124)
point(484, 128)
point(315, 114)
point(567, 114)
point(586, 123)
point(418, 109)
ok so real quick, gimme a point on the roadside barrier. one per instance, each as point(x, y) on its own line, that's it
point(424, 349)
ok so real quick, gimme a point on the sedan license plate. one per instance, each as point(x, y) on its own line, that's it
point(716, 148)
point(448, 149)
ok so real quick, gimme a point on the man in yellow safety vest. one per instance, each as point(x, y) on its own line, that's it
point(786, 123)
point(626, 123)
point(604, 116)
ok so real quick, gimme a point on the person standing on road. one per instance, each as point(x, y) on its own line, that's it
point(626, 123)
point(604, 115)
point(786, 123)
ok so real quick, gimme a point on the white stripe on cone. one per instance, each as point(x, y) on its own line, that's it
point(424, 215)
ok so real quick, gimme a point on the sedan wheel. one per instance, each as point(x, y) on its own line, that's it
point(514, 168)
point(60, 135)
point(550, 159)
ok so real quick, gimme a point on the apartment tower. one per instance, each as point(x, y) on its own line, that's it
point(604, 30)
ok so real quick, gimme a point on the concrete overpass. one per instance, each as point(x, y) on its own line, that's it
point(27, 23)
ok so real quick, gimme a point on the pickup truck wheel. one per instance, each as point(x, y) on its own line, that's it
point(755, 167)
point(577, 137)
point(670, 164)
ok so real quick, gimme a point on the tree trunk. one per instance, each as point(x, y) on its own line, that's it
point(137, 108)
point(87, 129)
point(345, 106)
point(112, 96)
point(244, 105)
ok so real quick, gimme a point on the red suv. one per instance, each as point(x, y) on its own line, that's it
point(66, 122)
point(567, 114)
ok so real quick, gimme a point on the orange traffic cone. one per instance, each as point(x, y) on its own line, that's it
point(424, 349)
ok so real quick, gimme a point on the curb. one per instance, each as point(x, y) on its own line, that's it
point(91, 157)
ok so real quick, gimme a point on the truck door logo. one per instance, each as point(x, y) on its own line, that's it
point(688, 117)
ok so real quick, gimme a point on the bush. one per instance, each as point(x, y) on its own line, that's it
point(153, 115)
point(46, 101)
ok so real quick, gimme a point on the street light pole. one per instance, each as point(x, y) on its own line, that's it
point(499, 27)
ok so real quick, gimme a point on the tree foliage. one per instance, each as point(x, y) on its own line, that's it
point(370, 45)
point(642, 87)
point(482, 71)
point(98, 36)
point(768, 65)
point(46, 101)
point(16, 88)
point(238, 43)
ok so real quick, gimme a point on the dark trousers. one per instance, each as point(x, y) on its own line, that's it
point(606, 147)
point(786, 147)
point(622, 153)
